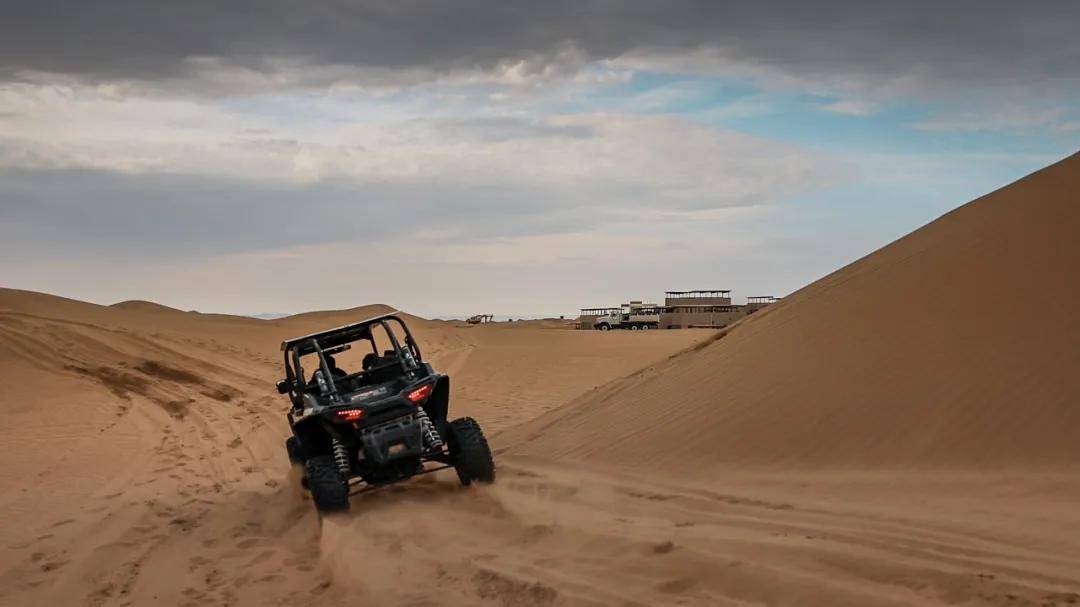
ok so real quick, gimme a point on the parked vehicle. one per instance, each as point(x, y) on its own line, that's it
point(634, 316)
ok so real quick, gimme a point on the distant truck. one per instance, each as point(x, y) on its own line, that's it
point(636, 316)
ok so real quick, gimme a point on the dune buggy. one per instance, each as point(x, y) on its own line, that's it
point(382, 423)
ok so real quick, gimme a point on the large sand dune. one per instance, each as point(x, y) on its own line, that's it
point(955, 346)
point(902, 432)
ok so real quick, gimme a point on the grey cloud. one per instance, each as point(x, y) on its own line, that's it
point(60, 213)
point(497, 128)
point(962, 42)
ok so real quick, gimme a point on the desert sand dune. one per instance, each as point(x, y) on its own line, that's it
point(901, 432)
point(142, 454)
point(955, 346)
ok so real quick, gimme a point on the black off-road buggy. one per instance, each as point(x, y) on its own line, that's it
point(381, 424)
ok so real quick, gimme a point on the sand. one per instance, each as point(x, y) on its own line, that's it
point(901, 432)
point(143, 460)
point(955, 346)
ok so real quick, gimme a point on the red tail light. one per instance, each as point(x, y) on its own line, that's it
point(418, 395)
point(350, 415)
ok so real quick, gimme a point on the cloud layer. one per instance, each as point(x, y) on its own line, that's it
point(481, 180)
point(272, 43)
point(597, 147)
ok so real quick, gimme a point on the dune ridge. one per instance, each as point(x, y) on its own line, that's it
point(956, 345)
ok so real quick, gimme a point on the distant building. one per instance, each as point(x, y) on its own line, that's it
point(753, 304)
point(700, 308)
point(703, 308)
point(712, 297)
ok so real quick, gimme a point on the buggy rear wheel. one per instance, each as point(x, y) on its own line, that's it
point(329, 491)
point(471, 453)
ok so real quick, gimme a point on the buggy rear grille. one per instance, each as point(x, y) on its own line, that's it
point(390, 426)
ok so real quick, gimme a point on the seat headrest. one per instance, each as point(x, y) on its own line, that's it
point(370, 360)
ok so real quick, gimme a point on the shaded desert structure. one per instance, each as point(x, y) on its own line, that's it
point(697, 309)
point(817, 452)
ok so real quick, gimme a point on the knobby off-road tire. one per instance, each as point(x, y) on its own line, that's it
point(472, 456)
point(329, 491)
point(295, 451)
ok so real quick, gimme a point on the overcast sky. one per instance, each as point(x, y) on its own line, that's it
point(517, 158)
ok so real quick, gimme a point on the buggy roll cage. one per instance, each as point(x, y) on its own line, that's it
point(332, 339)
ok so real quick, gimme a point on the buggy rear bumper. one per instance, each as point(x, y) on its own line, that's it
point(396, 439)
